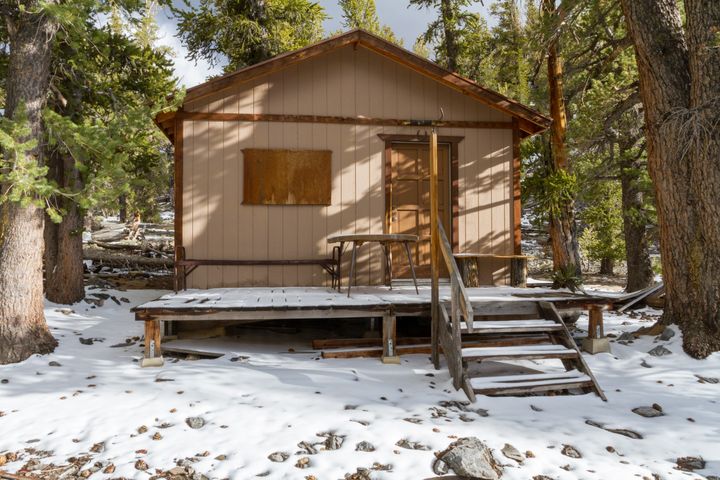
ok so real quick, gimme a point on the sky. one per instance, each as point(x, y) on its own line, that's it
point(407, 22)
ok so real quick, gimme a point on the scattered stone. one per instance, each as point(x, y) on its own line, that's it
point(535, 408)
point(413, 420)
point(54, 364)
point(307, 448)
point(702, 379)
point(124, 299)
point(303, 462)
point(380, 467)
point(221, 458)
point(659, 351)
point(512, 453)
point(620, 431)
point(4, 381)
point(470, 457)
point(645, 364)
point(142, 429)
point(241, 358)
point(626, 337)
point(364, 423)
point(570, 451)
point(667, 334)
point(529, 454)
point(4, 459)
point(404, 443)
point(332, 441)
point(364, 447)
point(109, 469)
point(157, 436)
point(141, 465)
point(65, 311)
point(98, 447)
point(86, 341)
point(690, 464)
point(96, 302)
point(360, 474)
point(648, 412)
point(542, 477)
point(195, 422)
point(128, 343)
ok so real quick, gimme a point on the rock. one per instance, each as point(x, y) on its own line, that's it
point(332, 441)
point(469, 457)
point(360, 474)
point(124, 299)
point(109, 469)
point(364, 447)
point(512, 453)
point(620, 431)
point(142, 429)
point(626, 337)
point(702, 379)
point(648, 412)
point(536, 408)
point(667, 334)
point(177, 471)
point(645, 364)
point(413, 420)
point(542, 477)
point(221, 458)
point(570, 451)
point(86, 341)
point(157, 436)
point(65, 311)
point(278, 457)
point(659, 351)
point(4, 459)
point(404, 443)
point(690, 464)
point(54, 364)
point(141, 465)
point(439, 467)
point(303, 462)
point(307, 448)
point(98, 447)
point(195, 422)
point(97, 302)
point(4, 381)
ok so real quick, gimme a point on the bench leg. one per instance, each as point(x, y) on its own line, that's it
point(412, 267)
point(389, 340)
point(153, 355)
point(596, 342)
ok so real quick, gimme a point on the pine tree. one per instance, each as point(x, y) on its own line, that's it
point(363, 14)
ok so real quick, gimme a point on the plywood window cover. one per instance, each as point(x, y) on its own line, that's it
point(287, 177)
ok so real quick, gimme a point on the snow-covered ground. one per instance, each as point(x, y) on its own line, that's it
point(94, 403)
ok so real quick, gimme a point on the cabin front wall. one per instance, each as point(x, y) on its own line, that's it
point(347, 82)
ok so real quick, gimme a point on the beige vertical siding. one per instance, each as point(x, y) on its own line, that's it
point(345, 82)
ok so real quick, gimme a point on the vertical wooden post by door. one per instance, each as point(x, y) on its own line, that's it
point(434, 251)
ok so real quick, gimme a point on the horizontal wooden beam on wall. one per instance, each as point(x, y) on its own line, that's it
point(386, 122)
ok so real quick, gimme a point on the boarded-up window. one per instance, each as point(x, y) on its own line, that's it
point(287, 177)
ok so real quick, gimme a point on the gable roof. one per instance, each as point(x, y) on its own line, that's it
point(529, 120)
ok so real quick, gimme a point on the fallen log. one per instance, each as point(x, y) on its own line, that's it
point(125, 260)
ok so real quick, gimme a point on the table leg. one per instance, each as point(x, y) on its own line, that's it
point(388, 264)
point(412, 267)
point(339, 267)
point(352, 267)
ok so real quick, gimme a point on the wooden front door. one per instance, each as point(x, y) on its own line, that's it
point(410, 202)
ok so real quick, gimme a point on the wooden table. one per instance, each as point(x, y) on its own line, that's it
point(384, 239)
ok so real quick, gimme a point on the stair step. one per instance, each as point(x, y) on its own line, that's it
point(513, 326)
point(538, 382)
point(521, 352)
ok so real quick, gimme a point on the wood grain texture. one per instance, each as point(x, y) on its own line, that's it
point(286, 177)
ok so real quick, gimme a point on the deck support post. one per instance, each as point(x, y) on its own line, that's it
point(153, 354)
point(596, 341)
point(389, 339)
point(434, 252)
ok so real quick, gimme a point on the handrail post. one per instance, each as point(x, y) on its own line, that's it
point(434, 250)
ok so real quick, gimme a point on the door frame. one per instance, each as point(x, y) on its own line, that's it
point(453, 142)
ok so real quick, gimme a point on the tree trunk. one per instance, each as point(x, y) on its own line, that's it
point(63, 241)
point(637, 239)
point(607, 266)
point(563, 235)
point(449, 25)
point(680, 88)
point(23, 330)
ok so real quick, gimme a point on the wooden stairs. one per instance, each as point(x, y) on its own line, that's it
point(513, 330)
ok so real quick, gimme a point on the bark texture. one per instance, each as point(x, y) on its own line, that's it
point(452, 48)
point(563, 232)
point(680, 88)
point(23, 330)
point(637, 238)
point(64, 282)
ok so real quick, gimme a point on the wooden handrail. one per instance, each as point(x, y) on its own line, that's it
point(458, 294)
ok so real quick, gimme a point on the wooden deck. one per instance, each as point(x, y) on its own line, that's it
point(259, 304)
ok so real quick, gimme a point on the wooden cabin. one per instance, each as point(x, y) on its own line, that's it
point(273, 159)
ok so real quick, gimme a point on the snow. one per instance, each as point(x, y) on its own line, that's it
point(276, 398)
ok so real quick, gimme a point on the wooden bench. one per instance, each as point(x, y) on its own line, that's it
point(469, 266)
point(185, 266)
